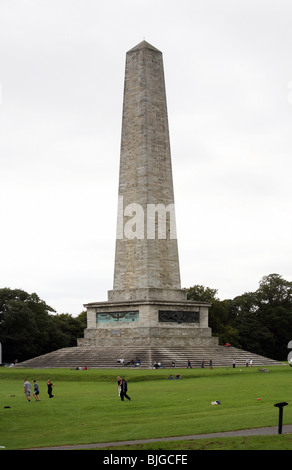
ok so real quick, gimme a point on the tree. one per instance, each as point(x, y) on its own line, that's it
point(218, 313)
point(274, 297)
point(274, 290)
point(72, 328)
point(201, 293)
point(82, 317)
point(26, 325)
point(29, 328)
point(264, 317)
point(259, 322)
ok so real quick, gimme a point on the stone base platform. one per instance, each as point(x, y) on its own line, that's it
point(149, 323)
point(106, 357)
point(149, 337)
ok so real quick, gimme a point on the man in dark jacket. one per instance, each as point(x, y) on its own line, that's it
point(124, 389)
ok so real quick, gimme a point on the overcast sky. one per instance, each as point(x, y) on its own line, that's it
point(228, 72)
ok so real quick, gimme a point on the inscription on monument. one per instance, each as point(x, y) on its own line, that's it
point(178, 316)
point(117, 317)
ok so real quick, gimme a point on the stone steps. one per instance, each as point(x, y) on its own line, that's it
point(101, 357)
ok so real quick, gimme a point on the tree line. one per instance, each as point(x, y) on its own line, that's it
point(259, 322)
point(29, 327)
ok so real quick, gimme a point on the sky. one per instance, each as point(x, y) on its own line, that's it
point(228, 74)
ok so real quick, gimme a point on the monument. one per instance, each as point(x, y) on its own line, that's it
point(147, 314)
point(146, 306)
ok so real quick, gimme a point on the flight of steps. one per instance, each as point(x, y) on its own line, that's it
point(101, 357)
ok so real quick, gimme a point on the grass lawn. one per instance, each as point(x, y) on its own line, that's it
point(86, 407)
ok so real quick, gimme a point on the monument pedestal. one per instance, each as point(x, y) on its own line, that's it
point(147, 322)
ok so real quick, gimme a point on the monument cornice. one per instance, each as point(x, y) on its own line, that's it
point(137, 303)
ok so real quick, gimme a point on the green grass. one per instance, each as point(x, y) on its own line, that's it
point(86, 407)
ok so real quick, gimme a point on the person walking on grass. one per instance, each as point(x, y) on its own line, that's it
point(36, 390)
point(27, 387)
point(124, 389)
point(50, 388)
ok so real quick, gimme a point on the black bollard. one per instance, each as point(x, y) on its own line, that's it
point(280, 406)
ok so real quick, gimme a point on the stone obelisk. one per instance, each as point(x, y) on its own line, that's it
point(146, 262)
point(146, 306)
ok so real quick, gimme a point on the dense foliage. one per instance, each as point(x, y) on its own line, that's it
point(259, 322)
point(28, 326)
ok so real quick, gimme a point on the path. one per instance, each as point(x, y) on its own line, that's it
point(269, 431)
